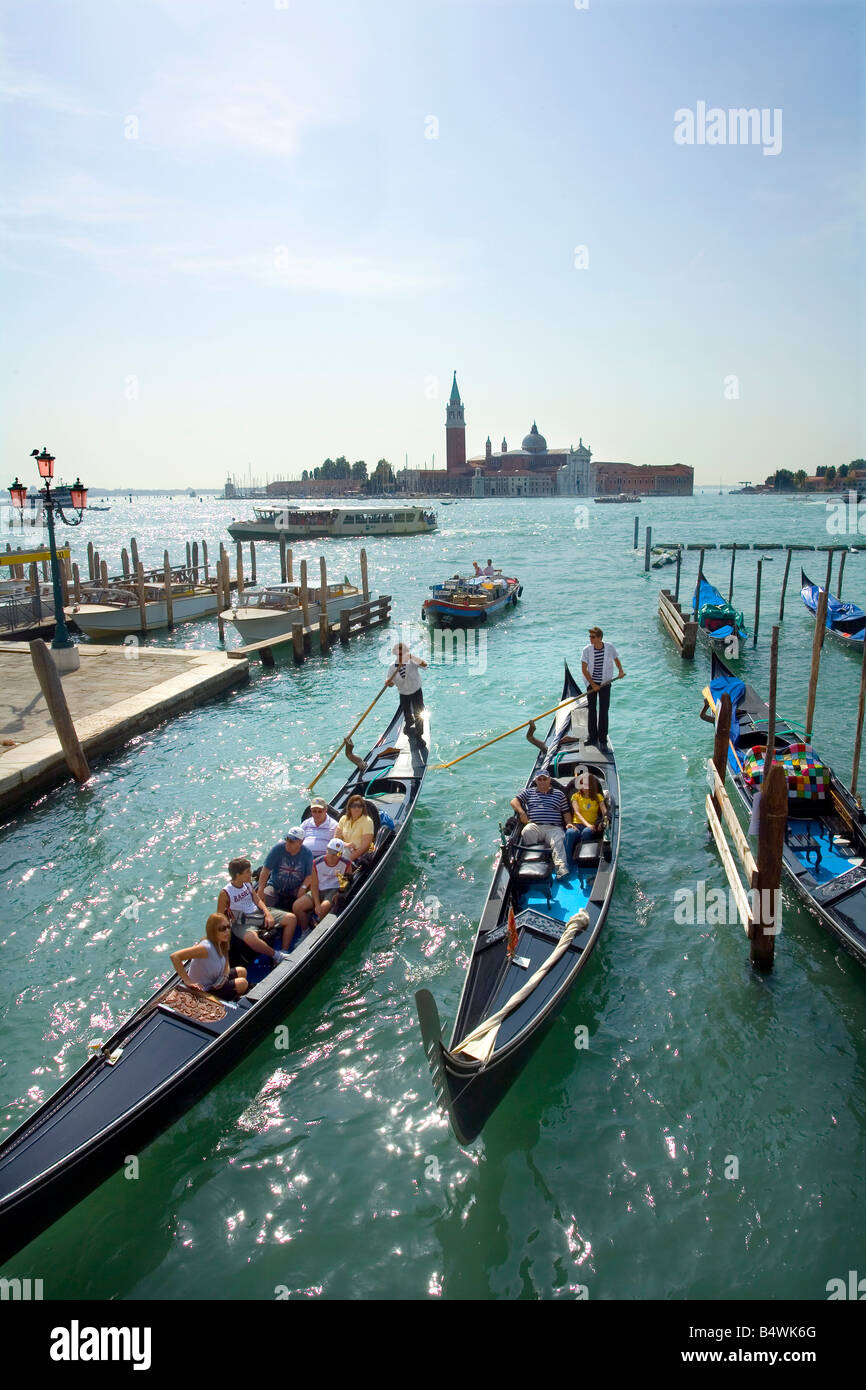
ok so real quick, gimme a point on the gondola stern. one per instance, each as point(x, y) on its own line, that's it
point(436, 1053)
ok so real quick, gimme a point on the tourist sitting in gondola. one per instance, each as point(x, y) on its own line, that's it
point(543, 811)
point(355, 829)
point(209, 970)
point(590, 813)
point(319, 827)
point(250, 915)
point(329, 877)
point(286, 873)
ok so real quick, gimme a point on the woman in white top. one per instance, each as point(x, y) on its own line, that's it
point(209, 970)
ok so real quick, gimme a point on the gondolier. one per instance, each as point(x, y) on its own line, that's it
point(405, 674)
point(597, 662)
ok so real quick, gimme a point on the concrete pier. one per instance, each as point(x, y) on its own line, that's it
point(111, 697)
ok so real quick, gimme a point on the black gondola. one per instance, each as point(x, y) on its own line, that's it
point(845, 621)
point(824, 852)
point(160, 1061)
point(551, 916)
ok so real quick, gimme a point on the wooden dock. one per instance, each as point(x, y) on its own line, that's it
point(117, 692)
point(353, 622)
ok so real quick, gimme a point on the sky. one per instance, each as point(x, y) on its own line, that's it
point(252, 234)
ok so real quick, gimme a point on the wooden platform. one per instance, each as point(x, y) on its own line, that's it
point(111, 698)
point(353, 622)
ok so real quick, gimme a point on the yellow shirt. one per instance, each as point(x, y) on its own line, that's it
point(588, 806)
point(352, 832)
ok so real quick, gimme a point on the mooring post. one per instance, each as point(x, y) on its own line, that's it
point(757, 605)
point(305, 598)
point(124, 563)
point(858, 731)
point(636, 530)
point(142, 602)
point(204, 561)
point(324, 629)
point(344, 626)
point(240, 568)
point(195, 562)
point(771, 720)
point(188, 556)
point(785, 584)
point(289, 579)
point(297, 643)
point(647, 548)
point(679, 567)
point(55, 698)
point(720, 744)
point(76, 583)
point(90, 559)
point(731, 580)
point(766, 889)
point(133, 550)
point(827, 584)
point(817, 642)
point(283, 559)
point(842, 559)
point(37, 592)
point(252, 562)
point(97, 572)
point(365, 583)
point(698, 585)
point(169, 601)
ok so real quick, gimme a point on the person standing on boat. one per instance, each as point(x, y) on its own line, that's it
point(597, 663)
point(405, 674)
point(488, 570)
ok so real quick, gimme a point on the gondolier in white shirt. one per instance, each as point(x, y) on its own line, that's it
point(405, 675)
point(597, 663)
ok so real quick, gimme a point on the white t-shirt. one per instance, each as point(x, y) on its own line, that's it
point(610, 654)
point(241, 901)
point(410, 681)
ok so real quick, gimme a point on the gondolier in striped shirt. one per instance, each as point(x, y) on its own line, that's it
point(405, 674)
point(597, 662)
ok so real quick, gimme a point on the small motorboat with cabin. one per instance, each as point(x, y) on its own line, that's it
point(535, 937)
point(467, 601)
point(115, 610)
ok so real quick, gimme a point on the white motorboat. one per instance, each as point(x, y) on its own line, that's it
point(356, 519)
point(273, 610)
point(114, 612)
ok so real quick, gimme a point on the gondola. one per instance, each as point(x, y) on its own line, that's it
point(161, 1060)
point(557, 923)
point(719, 624)
point(824, 853)
point(845, 621)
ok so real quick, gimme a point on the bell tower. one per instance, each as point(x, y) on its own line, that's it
point(455, 432)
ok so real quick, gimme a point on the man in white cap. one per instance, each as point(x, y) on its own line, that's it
point(405, 675)
point(327, 874)
point(319, 827)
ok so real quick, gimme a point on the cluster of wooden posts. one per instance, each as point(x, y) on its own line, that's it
point(353, 621)
point(677, 622)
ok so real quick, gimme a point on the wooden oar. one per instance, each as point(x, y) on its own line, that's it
point(346, 739)
point(572, 699)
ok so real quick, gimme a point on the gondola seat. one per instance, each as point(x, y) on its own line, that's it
point(534, 868)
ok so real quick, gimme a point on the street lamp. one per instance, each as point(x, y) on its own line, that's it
point(78, 498)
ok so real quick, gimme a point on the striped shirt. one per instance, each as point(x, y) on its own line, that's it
point(545, 808)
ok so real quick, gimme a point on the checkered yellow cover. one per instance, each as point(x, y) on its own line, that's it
point(808, 779)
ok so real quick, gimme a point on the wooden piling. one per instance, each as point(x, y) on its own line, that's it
point(679, 567)
point(289, 567)
point(720, 745)
point(103, 574)
point(142, 601)
point(766, 886)
point(195, 562)
point(828, 579)
point(305, 598)
point(785, 583)
point(698, 583)
point(841, 572)
point(817, 640)
point(757, 605)
point(37, 592)
point(323, 580)
point(647, 548)
point(731, 579)
point(124, 563)
point(76, 583)
point(188, 556)
point(297, 643)
point(252, 562)
point(636, 530)
point(169, 601)
point(365, 583)
point(283, 559)
point(90, 559)
point(771, 702)
point(204, 561)
point(324, 634)
point(240, 567)
point(344, 626)
point(133, 551)
point(858, 731)
point(55, 698)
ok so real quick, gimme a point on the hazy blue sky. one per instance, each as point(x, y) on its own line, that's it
point(227, 238)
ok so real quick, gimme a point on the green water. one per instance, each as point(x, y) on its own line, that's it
point(325, 1168)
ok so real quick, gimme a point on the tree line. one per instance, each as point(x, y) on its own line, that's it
point(341, 470)
point(783, 480)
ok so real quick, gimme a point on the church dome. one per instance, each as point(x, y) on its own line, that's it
point(534, 443)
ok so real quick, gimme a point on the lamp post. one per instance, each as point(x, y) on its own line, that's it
point(62, 640)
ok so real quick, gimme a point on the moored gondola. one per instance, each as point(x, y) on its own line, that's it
point(523, 968)
point(845, 621)
point(161, 1060)
point(720, 625)
point(824, 853)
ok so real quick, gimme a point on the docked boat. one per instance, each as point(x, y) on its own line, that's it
point(662, 557)
point(160, 1061)
point(357, 519)
point(720, 625)
point(534, 938)
point(273, 610)
point(825, 843)
point(114, 611)
point(845, 621)
point(468, 601)
point(618, 497)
